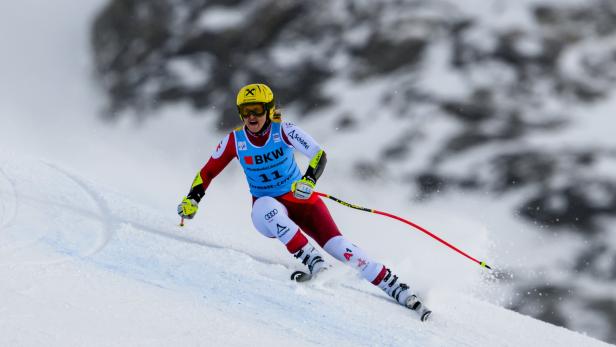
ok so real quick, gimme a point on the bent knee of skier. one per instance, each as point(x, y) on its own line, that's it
point(271, 219)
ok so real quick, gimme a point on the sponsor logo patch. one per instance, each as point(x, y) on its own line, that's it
point(282, 230)
point(295, 136)
point(264, 158)
point(220, 148)
point(348, 254)
point(271, 214)
point(276, 137)
point(241, 145)
point(361, 262)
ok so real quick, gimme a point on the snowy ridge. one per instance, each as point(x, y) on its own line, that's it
point(86, 266)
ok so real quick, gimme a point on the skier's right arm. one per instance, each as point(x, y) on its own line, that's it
point(222, 156)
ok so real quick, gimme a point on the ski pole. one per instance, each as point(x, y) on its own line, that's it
point(418, 227)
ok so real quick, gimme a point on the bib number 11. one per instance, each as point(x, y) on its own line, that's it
point(276, 175)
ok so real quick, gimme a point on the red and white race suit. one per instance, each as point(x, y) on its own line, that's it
point(284, 217)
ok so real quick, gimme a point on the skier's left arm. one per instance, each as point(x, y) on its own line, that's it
point(305, 144)
point(222, 156)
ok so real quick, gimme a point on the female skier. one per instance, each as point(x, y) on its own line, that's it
point(283, 204)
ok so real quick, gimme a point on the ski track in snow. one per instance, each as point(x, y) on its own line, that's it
point(112, 223)
point(146, 247)
point(105, 216)
point(24, 200)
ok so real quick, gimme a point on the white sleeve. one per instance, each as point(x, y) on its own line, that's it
point(300, 140)
point(220, 149)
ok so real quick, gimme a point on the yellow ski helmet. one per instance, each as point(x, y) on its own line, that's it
point(257, 93)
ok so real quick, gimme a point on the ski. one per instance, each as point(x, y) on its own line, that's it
point(413, 304)
point(301, 276)
point(418, 307)
point(425, 316)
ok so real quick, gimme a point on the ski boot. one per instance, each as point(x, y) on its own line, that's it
point(401, 293)
point(413, 303)
point(310, 257)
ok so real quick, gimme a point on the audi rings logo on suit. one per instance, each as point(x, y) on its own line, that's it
point(271, 214)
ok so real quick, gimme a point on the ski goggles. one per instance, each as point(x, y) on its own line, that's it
point(247, 110)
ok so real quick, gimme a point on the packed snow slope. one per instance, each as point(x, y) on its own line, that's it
point(83, 265)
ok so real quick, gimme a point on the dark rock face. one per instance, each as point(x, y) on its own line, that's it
point(517, 85)
point(572, 206)
point(381, 55)
point(141, 48)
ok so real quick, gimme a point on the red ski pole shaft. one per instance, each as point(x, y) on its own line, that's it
point(418, 227)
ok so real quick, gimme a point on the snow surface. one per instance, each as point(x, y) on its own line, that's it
point(86, 266)
point(83, 264)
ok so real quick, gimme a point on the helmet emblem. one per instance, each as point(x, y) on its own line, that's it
point(250, 91)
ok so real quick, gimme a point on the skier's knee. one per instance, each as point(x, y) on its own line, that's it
point(268, 213)
point(267, 209)
point(264, 210)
